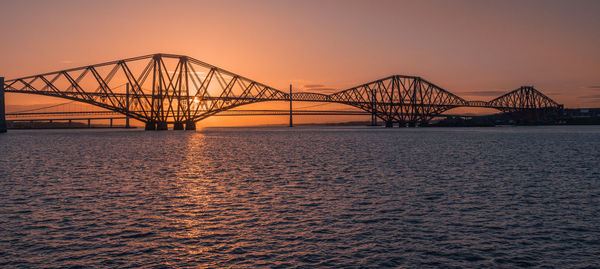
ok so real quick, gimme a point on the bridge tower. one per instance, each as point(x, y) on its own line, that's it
point(2, 108)
point(127, 105)
point(526, 105)
point(291, 117)
point(373, 108)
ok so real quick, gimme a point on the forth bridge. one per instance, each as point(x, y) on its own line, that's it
point(167, 89)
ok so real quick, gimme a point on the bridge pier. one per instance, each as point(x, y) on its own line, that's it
point(373, 119)
point(161, 126)
point(178, 126)
point(150, 126)
point(2, 108)
point(190, 126)
point(291, 117)
point(156, 126)
point(127, 106)
point(389, 124)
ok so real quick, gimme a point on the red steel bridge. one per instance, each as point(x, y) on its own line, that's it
point(163, 89)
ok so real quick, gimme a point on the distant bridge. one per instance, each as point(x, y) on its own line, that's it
point(162, 89)
point(22, 118)
point(233, 112)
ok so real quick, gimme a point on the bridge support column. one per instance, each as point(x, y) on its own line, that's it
point(389, 124)
point(89, 123)
point(127, 105)
point(161, 126)
point(373, 119)
point(2, 108)
point(111, 125)
point(291, 117)
point(190, 125)
point(178, 126)
point(150, 126)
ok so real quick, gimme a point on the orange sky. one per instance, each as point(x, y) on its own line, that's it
point(476, 49)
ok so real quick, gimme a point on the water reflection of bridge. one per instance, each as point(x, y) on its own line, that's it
point(162, 89)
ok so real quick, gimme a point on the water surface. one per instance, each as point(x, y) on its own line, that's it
point(301, 197)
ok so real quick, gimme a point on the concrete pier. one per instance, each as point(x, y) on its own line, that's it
point(156, 126)
point(191, 126)
point(178, 126)
point(127, 106)
point(291, 115)
point(150, 126)
point(373, 119)
point(161, 126)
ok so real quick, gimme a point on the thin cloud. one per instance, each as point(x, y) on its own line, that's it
point(66, 62)
point(314, 86)
point(593, 87)
point(593, 96)
point(323, 89)
point(596, 102)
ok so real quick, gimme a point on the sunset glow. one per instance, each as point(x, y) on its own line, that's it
point(299, 133)
point(477, 50)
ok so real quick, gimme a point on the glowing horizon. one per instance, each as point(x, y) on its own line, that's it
point(473, 49)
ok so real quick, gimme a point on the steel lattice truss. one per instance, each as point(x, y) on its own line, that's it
point(523, 98)
point(163, 89)
point(156, 89)
point(403, 99)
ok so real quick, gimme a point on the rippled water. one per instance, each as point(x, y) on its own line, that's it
point(301, 197)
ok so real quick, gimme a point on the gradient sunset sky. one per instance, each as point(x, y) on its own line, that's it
point(476, 49)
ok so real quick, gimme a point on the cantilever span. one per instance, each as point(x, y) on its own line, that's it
point(162, 89)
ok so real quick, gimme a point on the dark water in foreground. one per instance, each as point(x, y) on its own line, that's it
point(301, 197)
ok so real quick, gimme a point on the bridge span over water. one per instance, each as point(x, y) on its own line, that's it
point(162, 89)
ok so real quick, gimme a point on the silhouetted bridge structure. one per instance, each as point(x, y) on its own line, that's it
point(162, 89)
